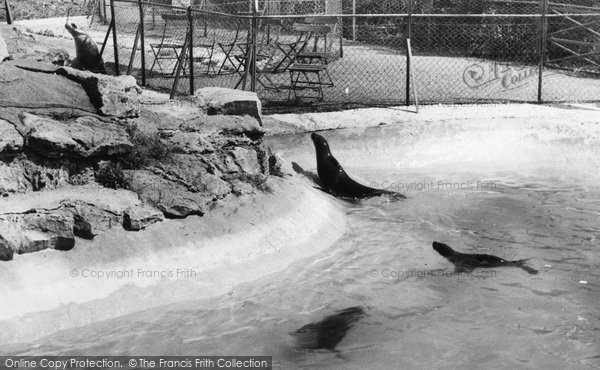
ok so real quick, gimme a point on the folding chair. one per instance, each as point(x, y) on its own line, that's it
point(322, 44)
point(167, 50)
point(310, 61)
point(267, 53)
point(235, 48)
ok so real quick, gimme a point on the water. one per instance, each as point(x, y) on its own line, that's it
point(421, 315)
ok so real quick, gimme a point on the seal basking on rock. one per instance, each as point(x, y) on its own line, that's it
point(329, 332)
point(335, 180)
point(88, 56)
point(464, 262)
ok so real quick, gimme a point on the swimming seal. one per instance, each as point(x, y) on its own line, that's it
point(465, 262)
point(335, 180)
point(88, 57)
point(329, 332)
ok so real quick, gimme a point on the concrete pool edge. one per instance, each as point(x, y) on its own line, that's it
point(266, 234)
point(295, 123)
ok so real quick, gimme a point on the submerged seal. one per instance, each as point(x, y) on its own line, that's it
point(464, 262)
point(335, 180)
point(328, 333)
point(88, 56)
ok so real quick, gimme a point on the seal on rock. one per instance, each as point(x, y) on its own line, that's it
point(335, 180)
point(88, 56)
point(464, 262)
point(329, 332)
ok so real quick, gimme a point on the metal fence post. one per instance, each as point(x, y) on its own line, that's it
point(253, 57)
point(353, 20)
point(542, 46)
point(143, 51)
point(114, 30)
point(191, 47)
point(8, 12)
point(408, 61)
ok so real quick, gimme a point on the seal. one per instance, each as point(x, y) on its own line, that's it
point(464, 262)
point(335, 180)
point(88, 56)
point(329, 332)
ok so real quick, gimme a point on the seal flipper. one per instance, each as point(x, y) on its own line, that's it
point(444, 249)
point(521, 264)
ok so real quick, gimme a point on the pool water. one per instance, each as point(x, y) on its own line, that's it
point(537, 198)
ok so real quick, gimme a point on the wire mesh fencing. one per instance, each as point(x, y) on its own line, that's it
point(343, 52)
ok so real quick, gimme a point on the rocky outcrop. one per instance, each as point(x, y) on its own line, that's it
point(31, 232)
point(112, 96)
point(81, 137)
point(180, 159)
point(26, 89)
point(215, 100)
point(90, 220)
point(11, 141)
point(141, 216)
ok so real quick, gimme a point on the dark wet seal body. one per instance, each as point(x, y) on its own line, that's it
point(329, 332)
point(88, 56)
point(465, 262)
point(336, 181)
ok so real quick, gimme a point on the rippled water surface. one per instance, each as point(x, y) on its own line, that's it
point(420, 314)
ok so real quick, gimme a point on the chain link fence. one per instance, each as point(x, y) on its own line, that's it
point(464, 51)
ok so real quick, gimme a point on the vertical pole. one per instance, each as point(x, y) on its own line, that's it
point(253, 62)
point(412, 77)
point(106, 38)
point(134, 50)
point(542, 46)
point(143, 46)
point(8, 12)
point(191, 47)
point(102, 11)
point(115, 42)
point(353, 20)
point(408, 55)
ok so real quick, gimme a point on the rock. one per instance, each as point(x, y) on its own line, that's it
point(278, 166)
point(89, 220)
point(11, 141)
point(7, 250)
point(13, 179)
point(171, 197)
point(83, 137)
point(141, 216)
point(25, 89)
point(192, 142)
point(58, 57)
point(4, 54)
point(215, 185)
point(247, 160)
point(45, 174)
point(241, 187)
point(32, 232)
point(229, 102)
point(116, 96)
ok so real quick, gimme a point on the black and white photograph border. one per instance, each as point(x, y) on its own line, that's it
point(338, 184)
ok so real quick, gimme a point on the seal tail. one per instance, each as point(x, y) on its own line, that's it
point(523, 265)
point(443, 249)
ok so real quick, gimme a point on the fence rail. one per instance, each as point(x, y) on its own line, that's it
point(502, 51)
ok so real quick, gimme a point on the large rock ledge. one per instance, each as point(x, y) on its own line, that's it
point(61, 128)
point(236, 242)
